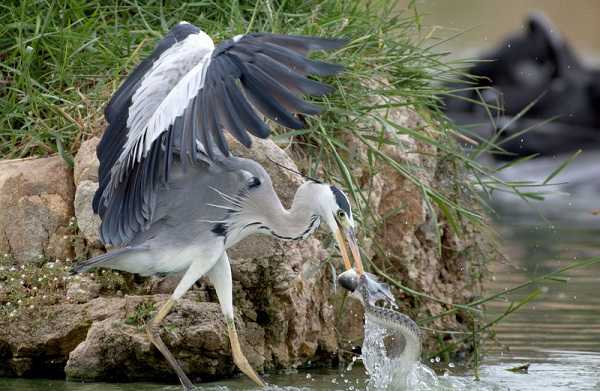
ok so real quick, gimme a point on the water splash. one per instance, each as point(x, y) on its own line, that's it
point(388, 365)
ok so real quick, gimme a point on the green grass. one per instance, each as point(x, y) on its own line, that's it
point(142, 313)
point(61, 63)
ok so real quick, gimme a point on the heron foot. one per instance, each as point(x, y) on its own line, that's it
point(238, 356)
point(152, 329)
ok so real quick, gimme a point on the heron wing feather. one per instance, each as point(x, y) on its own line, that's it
point(180, 102)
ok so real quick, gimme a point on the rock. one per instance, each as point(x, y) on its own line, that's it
point(87, 221)
point(37, 342)
point(350, 321)
point(86, 162)
point(37, 203)
point(82, 290)
point(85, 175)
point(114, 350)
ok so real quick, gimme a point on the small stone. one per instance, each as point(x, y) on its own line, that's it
point(83, 290)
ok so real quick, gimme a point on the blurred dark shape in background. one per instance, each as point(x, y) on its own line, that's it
point(535, 68)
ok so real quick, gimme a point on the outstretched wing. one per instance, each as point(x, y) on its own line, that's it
point(181, 102)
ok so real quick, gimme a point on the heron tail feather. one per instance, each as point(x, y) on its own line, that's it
point(97, 261)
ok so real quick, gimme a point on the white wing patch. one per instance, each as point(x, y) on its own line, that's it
point(165, 91)
point(176, 101)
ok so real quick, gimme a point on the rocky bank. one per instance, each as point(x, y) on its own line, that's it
point(288, 313)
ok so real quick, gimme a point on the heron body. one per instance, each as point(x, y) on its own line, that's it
point(171, 196)
point(206, 210)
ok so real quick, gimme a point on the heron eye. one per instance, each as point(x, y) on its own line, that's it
point(341, 214)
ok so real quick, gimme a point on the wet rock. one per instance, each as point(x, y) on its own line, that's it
point(37, 202)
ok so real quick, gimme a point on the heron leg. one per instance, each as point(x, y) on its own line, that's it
point(194, 272)
point(153, 332)
point(220, 276)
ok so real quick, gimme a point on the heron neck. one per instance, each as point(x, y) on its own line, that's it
point(272, 218)
point(298, 222)
point(263, 213)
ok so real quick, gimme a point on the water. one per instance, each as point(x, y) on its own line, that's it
point(558, 334)
point(483, 23)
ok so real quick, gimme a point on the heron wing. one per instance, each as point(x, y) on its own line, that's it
point(222, 88)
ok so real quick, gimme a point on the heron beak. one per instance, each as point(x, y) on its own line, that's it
point(345, 235)
point(353, 244)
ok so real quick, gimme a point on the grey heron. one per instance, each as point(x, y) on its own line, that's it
point(171, 196)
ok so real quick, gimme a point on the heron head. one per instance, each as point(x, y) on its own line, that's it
point(335, 210)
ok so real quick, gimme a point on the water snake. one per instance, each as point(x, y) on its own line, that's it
point(392, 344)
